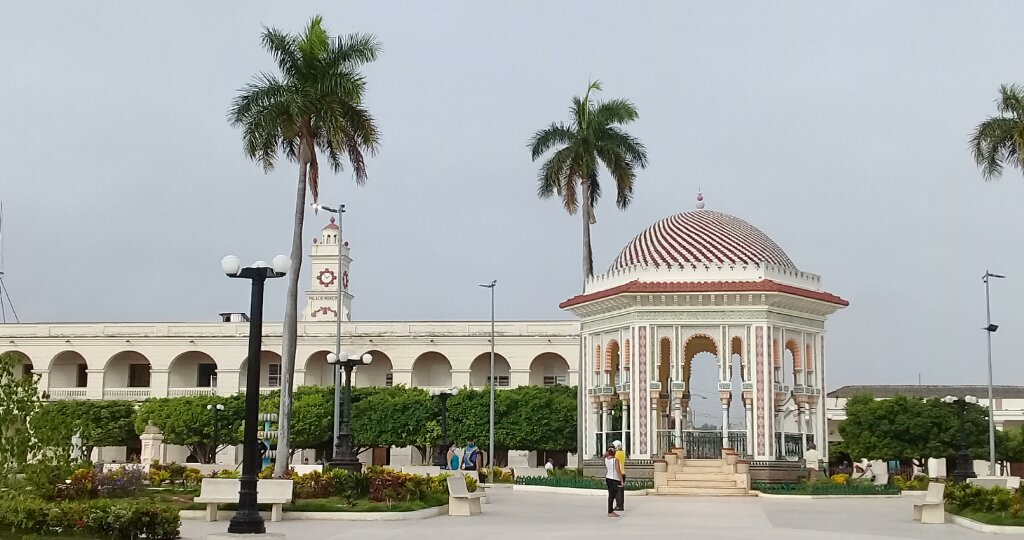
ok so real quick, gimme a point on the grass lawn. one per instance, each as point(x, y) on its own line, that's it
point(990, 518)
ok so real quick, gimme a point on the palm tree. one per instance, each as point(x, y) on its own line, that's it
point(316, 103)
point(593, 136)
point(999, 140)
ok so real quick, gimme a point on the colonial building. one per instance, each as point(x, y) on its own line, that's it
point(704, 282)
point(136, 361)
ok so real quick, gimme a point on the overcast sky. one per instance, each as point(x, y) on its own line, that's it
point(840, 130)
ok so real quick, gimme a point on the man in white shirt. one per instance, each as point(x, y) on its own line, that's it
point(812, 462)
point(549, 465)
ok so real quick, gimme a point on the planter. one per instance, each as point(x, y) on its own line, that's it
point(743, 467)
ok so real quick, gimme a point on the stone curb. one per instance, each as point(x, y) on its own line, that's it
point(968, 523)
point(225, 515)
point(777, 496)
point(573, 491)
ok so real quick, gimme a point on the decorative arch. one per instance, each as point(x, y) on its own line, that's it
point(776, 356)
point(68, 370)
point(694, 346)
point(598, 360)
point(736, 350)
point(480, 370)
point(127, 369)
point(192, 369)
point(378, 373)
point(270, 370)
point(613, 357)
point(24, 367)
point(794, 349)
point(548, 369)
point(625, 355)
point(809, 358)
point(317, 371)
point(432, 369)
point(664, 362)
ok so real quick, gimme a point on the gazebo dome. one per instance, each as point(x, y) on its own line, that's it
point(701, 237)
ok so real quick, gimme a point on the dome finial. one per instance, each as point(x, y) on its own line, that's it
point(700, 200)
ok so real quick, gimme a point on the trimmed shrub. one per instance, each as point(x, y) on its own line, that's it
point(99, 518)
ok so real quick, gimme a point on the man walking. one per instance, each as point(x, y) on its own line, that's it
point(812, 461)
point(620, 456)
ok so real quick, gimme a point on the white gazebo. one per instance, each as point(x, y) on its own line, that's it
point(704, 282)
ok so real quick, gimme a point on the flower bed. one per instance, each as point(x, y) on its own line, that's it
point(581, 482)
point(116, 519)
point(825, 488)
point(994, 506)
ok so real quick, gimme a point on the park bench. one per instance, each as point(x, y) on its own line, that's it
point(1008, 482)
point(214, 491)
point(932, 510)
point(460, 501)
point(422, 470)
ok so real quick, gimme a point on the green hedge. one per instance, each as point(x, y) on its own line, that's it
point(826, 488)
point(115, 519)
point(581, 482)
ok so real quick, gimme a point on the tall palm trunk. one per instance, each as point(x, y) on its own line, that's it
point(588, 219)
point(289, 333)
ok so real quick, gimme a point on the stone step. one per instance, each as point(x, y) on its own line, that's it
point(702, 463)
point(711, 492)
point(705, 478)
point(716, 483)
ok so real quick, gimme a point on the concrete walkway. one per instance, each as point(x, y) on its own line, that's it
point(520, 516)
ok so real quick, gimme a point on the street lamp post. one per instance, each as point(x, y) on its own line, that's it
point(989, 330)
point(247, 518)
point(441, 454)
point(964, 463)
point(338, 283)
point(490, 434)
point(344, 446)
point(216, 409)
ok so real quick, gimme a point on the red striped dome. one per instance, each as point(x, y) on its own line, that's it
point(701, 237)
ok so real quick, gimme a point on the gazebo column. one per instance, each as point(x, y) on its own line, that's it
point(626, 441)
point(748, 419)
point(726, 397)
point(653, 433)
point(682, 407)
point(598, 423)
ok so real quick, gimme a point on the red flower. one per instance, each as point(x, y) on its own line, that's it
point(79, 523)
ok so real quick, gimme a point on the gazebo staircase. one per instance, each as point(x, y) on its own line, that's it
point(675, 475)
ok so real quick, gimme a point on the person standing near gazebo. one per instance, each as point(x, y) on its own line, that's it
point(620, 456)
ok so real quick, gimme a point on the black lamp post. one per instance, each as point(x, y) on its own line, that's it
point(216, 409)
point(247, 519)
point(964, 463)
point(344, 448)
point(441, 453)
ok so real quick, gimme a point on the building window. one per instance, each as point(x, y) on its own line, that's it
point(81, 378)
point(389, 379)
point(206, 375)
point(552, 380)
point(274, 375)
point(138, 375)
point(26, 370)
point(501, 379)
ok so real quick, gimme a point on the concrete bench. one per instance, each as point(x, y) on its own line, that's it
point(214, 491)
point(1008, 482)
point(522, 472)
point(932, 510)
point(423, 470)
point(475, 475)
point(460, 501)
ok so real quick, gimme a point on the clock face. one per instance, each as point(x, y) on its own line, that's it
point(326, 277)
point(344, 279)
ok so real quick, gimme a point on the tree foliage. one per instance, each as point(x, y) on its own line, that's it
point(999, 140)
point(312, 415)
point(186, 421)
point(593, 136)
point(396, 416)
point(100, 423)
point(909, 428)
point(525, 418)
point(19, 399)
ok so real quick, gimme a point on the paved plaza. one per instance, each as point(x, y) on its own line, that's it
point(522, 516)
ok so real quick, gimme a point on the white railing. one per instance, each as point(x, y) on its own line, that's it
point(66, 393)
point(133, 394)
point(196, 391)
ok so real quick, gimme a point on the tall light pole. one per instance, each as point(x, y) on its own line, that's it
point(441, 453)
point(990, 329)
point(247, 518)
point(964, 463)
point(490, 437)
point(338, 281)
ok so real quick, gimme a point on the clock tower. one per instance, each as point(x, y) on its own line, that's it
point(328, 279)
